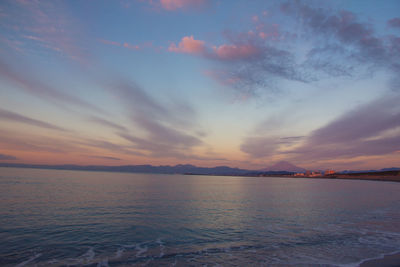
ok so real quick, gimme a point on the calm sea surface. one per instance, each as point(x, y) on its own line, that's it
point(53, 218)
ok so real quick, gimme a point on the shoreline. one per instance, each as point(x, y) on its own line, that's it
point(354, 176)
point(385, 260)
point(363, 178)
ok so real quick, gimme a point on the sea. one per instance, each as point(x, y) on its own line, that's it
point(87, 218)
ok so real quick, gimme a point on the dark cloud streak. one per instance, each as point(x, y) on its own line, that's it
point(107, 123)
point(370, 129)
point(15, 117)
point(166, 129)
point(41, 90)
point(394, 22)
point(7, 157)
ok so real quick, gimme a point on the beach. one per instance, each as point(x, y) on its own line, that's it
point(389, 260)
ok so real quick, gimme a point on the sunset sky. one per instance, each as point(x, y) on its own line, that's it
point(226, 82)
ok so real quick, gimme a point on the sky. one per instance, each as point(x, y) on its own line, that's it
point(206, 82)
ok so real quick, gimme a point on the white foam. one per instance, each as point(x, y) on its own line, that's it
point(103, 263)
point(29, 260)
point(162, 247)
point(130, 246)
point(52, 261)
point(89, 255)
point(357, 264)
point(119, 253)
point(140, 250)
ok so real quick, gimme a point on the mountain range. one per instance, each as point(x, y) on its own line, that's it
point(282, 167)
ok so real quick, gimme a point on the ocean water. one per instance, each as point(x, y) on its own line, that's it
point(75, 218)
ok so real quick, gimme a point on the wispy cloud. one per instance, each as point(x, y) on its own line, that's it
point(174, 5)
point(7, 157)
point(46, 25)
point(106, 145)
point(224, 52)
point(17, 141)
point(265, 147)
point(371, 129)
point(15, 117)
point(188, 45)
point(127, 45)
point(394, 22)
point(248, 62)
point(107, 123)
point(39, 89)
point(342, 42)
point(368, 130)
point(165, 131)
point(105, 157)
point(334, 43)
point(236, 52)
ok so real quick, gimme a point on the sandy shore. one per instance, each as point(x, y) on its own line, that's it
point(390, 260)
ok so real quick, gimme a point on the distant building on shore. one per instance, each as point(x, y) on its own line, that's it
point(316, 174)
point(329, 172)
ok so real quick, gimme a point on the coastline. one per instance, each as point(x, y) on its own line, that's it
point(365, 178)
point(387, 260)
point(352, 176)
point(394, 178)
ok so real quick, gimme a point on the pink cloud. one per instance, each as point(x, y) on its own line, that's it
point(179, 4)
point(263, 35)
point(188, 45)
point(222, 77)
point(46, 25)
point(108, 42)
point(234, 52)
point(130, 46)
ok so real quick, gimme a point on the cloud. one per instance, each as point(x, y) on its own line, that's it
point(108, 42)
point(370, 129)
point(41, 90)
point(224, 52)
point(188, 45)
point(247, 63)
point(15, 117)
point(134, 47)
point(62, 144)
point(395, 22)
point(46, 25)
point(334, 43)
point(34, 143)
point(7, 157)
point(235, 52)
point(105, 157)
point(262, 147)
point(107, 123)
point(131, 46)
point(173, 5)
point(107, 145)
point(357, 41)
point(161, 130)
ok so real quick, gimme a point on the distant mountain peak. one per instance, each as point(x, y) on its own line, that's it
point(284, 166)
